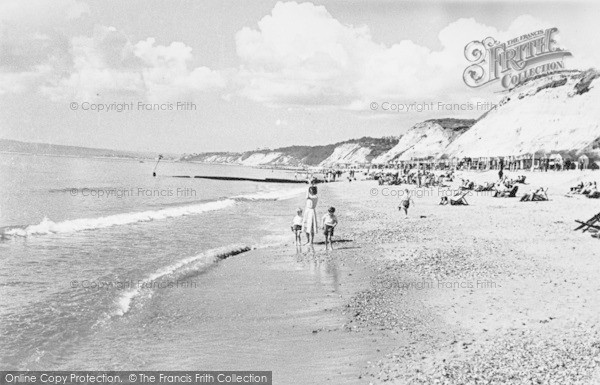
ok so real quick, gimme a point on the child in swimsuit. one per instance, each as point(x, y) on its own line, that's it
point(405, 202)
point(297, 226)
point(328, 224)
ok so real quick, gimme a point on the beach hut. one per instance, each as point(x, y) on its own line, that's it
point(583, 162)
point(556, 161)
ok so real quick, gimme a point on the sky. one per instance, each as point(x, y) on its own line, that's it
point(253, 74)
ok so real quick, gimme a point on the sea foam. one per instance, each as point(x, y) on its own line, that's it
point(47, 226)
point(177, 271)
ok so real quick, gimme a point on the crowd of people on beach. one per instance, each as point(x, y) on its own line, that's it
point(589, 189)
point(307, 222)
point(507, 187)
point(418, 177)
point(329, 175)
point(504, 187)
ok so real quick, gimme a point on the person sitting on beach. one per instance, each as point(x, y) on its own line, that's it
point(593, 193)
point(297, 226)
point(535, 195)
point(467, 184)
point(528, 196)
point(577, 189)
point(405, 202)
point(589, 188)
point(328, 224)
point(541, 194)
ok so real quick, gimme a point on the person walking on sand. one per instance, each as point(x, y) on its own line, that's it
point(328, 224)
point(405, 202)
point(309, 219)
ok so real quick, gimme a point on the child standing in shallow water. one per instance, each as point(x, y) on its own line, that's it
point(328, 224)
point(297, 226)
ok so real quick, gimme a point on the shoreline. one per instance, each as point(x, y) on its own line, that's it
point(449, 294)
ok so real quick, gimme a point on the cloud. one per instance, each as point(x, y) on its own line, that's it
point(101, 63)
point(300, 55)
point(36, 57)
point(21, 81)
point(166, 74)
point(297, 56)
point(108, 62)
point(41, 13)
point(32, 41)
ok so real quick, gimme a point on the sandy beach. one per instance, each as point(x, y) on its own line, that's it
point(500, 291)
point(163, 163)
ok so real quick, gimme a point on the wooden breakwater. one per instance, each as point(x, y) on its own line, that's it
point(234, 178)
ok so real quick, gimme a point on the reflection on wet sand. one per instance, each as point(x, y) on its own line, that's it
point(323, 266)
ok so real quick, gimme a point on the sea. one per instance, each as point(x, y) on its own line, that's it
point(104, 266)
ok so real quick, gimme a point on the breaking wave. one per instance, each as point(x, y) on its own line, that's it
point(180, 270)
point(273, 195)
point(46, 226)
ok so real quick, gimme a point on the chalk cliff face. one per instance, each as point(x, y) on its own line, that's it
point(260, 158)
point(426, 140)
point(349, 153)
point(556, 113)
point(357, 151)
point(218, 158)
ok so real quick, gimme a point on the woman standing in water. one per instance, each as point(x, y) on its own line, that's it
point(309, 219)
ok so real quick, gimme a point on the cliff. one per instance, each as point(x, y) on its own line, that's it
point(556, 113)
point(425, 140)
point(355, 151)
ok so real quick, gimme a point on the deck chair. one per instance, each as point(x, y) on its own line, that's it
point(540, 196)
point(527, 197)
point(577, 189)
point(459, 200)
point(510, 193)
point(594, 194)
point(590, 223)
point(487, 187)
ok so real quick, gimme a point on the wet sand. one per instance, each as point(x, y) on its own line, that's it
point(268, 309)
point(498, 292)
